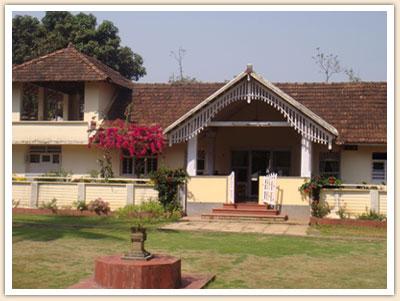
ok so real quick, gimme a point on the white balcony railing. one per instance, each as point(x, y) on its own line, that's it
point(50, 132)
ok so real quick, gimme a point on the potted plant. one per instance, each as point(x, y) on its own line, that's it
point(313, 188)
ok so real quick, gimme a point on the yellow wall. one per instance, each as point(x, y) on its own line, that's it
point(80, 160)
point(114, 194)
point(144, 193)
point(287, 191)
point(21, 192)
point(355, 201)
point(18, 159)
point(65, 193)
point(97, 99)
point(50, 132)
point(16, 101)
point(208, 189)
point(356, 166)
point(174, 156)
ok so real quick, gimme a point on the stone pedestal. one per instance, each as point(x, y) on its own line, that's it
point(160, 272)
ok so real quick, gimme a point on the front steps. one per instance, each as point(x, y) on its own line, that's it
point(245, 212)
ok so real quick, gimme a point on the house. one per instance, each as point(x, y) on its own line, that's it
point(226, 135)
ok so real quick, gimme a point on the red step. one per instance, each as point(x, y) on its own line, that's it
point(245, 206)
point(244, 211)
point(245, 217)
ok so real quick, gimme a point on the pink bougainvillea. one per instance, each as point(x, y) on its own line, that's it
point(138, 140)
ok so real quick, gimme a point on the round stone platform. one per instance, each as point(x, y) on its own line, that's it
point(160, 272)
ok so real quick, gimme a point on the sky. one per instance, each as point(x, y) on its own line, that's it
point(280, 45)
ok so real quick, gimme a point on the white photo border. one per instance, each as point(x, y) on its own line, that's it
point(9, 9)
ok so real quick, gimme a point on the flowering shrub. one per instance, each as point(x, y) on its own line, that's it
point(313, 188)
point(99, 206)
point(138, 140)
point(314, 185)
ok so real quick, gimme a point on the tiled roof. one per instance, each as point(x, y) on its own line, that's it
point(356, 110)
point(67, 64)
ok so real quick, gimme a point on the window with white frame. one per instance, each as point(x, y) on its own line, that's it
point(44, 154)
point(329, 164)
point(379, 167)
point(138, 167)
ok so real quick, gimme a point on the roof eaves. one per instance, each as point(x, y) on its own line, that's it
point(296, 104)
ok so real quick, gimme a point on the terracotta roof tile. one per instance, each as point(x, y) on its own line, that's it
point(67, 64)
point(356, 110)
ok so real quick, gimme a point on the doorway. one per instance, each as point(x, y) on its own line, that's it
point(249, 165)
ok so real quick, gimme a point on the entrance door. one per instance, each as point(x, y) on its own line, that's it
point(260, 162)
point(240, 165)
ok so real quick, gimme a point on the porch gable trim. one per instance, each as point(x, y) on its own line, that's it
point(250, 86)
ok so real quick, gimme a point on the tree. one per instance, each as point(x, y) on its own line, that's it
point(328, 64)
point(181, 78)
point(32, 38)
point(352, 76)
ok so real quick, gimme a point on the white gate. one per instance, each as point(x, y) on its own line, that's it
point(231, 188)
point(269, 191)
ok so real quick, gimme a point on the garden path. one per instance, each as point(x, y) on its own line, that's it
point(237, 227)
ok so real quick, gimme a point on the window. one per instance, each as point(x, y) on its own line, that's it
point(29, 109)
point(34, 158)
point(329, 164)
point(53, 102)
point(45, 154)
point(56, 158)
point(138, 167)
point(201, 160)
point(379, 167)
point(45, 158)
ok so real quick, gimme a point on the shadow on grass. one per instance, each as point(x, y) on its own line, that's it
point(38, 232)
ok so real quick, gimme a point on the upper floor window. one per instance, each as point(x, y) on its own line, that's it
point(329, 164)
point(53, 105)
point(29, 107)
point(379, 171)
point(39, 103)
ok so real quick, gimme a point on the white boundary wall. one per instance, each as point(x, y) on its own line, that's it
point(34, 194)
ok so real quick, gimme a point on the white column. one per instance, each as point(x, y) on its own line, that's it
point(306, 158)
point(17, 91)
point(191, 162)
point(65, 106)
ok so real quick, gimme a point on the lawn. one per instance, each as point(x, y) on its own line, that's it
point(56, 252)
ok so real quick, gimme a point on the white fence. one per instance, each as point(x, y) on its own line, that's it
point(32, 194)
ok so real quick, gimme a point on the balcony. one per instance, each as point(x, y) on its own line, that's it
point(49, 132)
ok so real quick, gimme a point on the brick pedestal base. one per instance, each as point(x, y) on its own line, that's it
point(159, 272)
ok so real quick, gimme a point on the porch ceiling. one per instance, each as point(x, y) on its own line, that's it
point(249, 86)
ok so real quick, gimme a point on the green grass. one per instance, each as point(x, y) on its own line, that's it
point(56, 252)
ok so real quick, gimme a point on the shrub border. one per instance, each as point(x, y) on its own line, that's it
point(347, 222)
point(64, 212)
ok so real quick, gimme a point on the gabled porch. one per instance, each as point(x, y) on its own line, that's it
point(247, 129)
